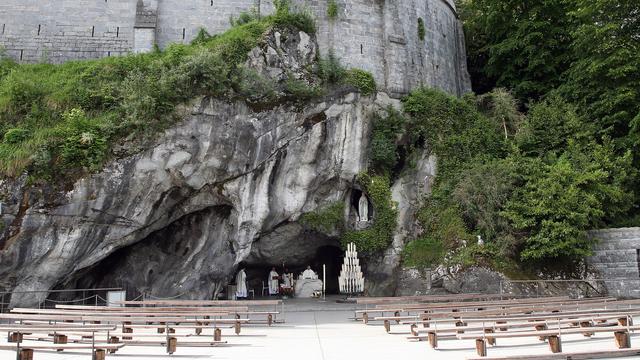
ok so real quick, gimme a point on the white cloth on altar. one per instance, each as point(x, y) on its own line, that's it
point(309, 274)
point(306, 287)
point(241, 283)
point(273, 283)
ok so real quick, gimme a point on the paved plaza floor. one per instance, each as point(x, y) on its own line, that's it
point(316, 330)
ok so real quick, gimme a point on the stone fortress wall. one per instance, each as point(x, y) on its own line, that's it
point(380, 36)
point(617, 258)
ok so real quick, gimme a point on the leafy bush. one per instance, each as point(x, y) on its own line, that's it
point(330, 70)
point(421, 29)
point(15, 135)
point(379, 236)
point(245, 17)
point(325, 220)
point(361, 80)
point(332, 9)
point(386, 129)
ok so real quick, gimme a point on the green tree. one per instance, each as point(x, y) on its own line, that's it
point(604, 80)
point(518, 44)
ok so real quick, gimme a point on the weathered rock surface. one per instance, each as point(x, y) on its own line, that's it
point(249, 171)
point(224, 186)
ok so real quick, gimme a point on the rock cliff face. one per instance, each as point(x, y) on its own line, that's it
point(226, 185)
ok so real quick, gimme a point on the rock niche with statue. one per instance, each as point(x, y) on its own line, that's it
point(308, 284)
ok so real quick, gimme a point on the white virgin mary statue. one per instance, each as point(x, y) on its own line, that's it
point(241, 284)
point(363, 208)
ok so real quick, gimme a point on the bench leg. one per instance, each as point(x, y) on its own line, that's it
point(490, 340)
point(586, 324)
point(15, 337)
point(126, 330)
point(270, 319)
point(99, 354)
point(113, 340)
point(60, 339)
point(414, 329)
point(397, 314)
point(541, 328)
point(365, 318)
point(555, 344)
point(25, 354)
point(237, 327)
point(217, 334)
point(172, 344)
point(481, 347)
point(387, 325)
point(502, 328)
point(433, 339)
point(622, 340)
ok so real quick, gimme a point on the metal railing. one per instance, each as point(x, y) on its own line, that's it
point(5, 297)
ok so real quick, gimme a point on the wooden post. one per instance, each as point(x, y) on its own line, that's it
point(15, 337)
point(542, 327)
point(481, 347)
point(127, 330)
point(198, 328)
point(172, 343)
point(237, 327)
point(490, 340)
point(622, 339)
point(25, 354)
point(217, 334)
point(586, 324)
point(387, 325)
point(502, 328)
point(433, 339)
point(99, 354)
point(60, 339)
point(113, 340)
point(555, 345)
point(414, 329)
point(365, 318)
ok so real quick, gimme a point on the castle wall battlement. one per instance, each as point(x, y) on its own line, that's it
point(378, 36)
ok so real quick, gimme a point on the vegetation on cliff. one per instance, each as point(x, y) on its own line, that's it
point(532, 168)
point(62, 121)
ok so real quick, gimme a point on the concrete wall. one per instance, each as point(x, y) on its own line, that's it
point(375, 35)
point(615, 257)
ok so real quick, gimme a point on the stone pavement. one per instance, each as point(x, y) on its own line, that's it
point(322, 331)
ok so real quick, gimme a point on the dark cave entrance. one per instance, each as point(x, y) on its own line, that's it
point(332, 257)
point(329, 255)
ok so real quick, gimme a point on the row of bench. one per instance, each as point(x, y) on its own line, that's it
point(485, 320)
point(107, 329)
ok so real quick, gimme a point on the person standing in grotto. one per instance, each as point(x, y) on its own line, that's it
point(273, 281)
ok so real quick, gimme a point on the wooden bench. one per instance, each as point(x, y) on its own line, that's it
point(25, 351)
point(581, 355)
point(621, 336)
point(475, 306)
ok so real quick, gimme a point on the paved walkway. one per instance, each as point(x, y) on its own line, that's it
point(322, 331)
